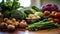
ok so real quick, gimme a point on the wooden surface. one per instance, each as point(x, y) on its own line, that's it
point(23, 31)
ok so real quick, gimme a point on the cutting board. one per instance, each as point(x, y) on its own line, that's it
point(23, 31)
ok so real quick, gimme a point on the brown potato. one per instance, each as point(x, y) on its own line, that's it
point(3, 25)
point(15, 24)
point(9, 22)
point(13, 20)
point(23, 24)
point(5, 19)
point(11, 27)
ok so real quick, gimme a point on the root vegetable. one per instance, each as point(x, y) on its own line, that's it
point(13, 20)
point(9, 22)
point(50, 19)
point(53, 12)
point(56, 20)
point(5, 19)
point(23, 24)
point(57, 15)
point(46, 12)
point(3, 25)
point(15, 24)
point(11, 27)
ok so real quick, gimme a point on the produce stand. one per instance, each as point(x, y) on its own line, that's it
point(29, 20)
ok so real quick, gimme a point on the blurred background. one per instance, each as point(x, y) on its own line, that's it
point(38, 3)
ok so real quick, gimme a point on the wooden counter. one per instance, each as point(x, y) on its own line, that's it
point(23, 31)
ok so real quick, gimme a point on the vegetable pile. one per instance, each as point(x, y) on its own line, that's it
point(42, 25)
point(31, 18)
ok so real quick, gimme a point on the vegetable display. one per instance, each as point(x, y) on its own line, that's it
point(33, 18)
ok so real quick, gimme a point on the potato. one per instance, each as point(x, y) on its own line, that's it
point(5, 19)
point(19, 20)
point(3, 25)
point(11, 27)
point(9, 22)
point(13, 20)
point(15, 24)
point(23, 24)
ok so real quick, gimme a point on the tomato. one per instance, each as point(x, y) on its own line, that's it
point(56, 20)
point(50, 19)
point(46, 12)
point(57, 15)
